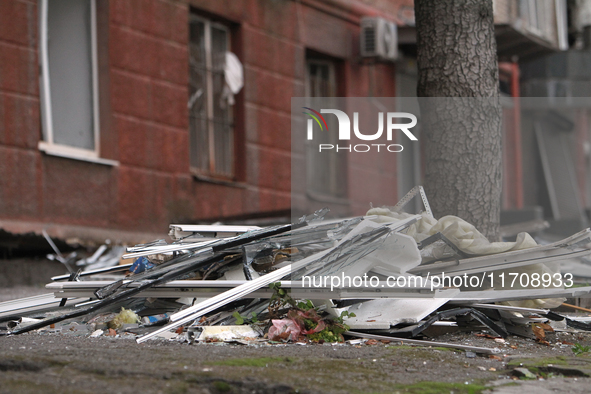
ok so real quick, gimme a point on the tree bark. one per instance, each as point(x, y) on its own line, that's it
point(457, 64)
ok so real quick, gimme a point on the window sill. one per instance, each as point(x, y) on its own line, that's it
point(217, 181)
point(68, 152)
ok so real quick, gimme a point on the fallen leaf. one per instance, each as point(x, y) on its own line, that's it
point(546, 327)
point(371, 342)
point(281, 337)
point(492, 369)
point(179, 330)
point(538, 332)
point(492, 356)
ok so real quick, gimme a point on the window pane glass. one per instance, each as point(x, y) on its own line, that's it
point(221, 108)
point(197, 44)
point(70, 72)
point(198, 94)
point(224, 149)
point(199, 142)
point(332, 179)
point(211, 122)
point(219, 46)
point(222, 116)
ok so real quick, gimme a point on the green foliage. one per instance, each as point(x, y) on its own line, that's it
point(325, 335)
point(280, 298)
point(307, 305)
point(310, 324)
point(259, 362)
point(579, 349)
point(537, 362)
point(440, 387)
point(240, 320)
point(253, 317)
point(345, 315)
point(304, 314)
point(222, 387)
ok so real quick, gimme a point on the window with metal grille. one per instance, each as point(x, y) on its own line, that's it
point(211, 125)
point(326, 172)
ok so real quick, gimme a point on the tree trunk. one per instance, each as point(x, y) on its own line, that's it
point(457, 63)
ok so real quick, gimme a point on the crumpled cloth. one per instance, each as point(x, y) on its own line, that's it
point(471, 241)
point(284, 329)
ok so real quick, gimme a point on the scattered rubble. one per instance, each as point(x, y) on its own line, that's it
point(386, 277)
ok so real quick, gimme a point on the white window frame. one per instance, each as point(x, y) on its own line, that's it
point(211, 171)
point(48, 145)
point(562, 24)
point(538, 17)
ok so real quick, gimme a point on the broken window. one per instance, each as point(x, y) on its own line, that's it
point(326, 172)
point(68, 77)
point(211, 125)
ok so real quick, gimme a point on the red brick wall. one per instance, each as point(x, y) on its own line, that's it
point(20, 186)
point(143, 75)
point(149, 87)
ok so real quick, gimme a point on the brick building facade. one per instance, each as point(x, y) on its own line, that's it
point(133, 170)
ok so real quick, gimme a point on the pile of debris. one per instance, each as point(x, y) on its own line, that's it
point(388, 275)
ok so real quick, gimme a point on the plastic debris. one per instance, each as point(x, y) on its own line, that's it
point(126, 316)
point(140, 265)
point(96, 333)
point(227, 333)
point(247, 284)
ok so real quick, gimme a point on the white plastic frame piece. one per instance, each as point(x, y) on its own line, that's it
point(213, 303)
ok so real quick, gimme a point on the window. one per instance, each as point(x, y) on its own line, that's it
point(326, 172)
point(69, 82)
point(211, 125)
point(537, 14)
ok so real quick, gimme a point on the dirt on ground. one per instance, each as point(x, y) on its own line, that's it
point(63, 363)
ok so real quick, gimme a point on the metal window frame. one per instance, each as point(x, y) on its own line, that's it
point(208, 24)
point(48, 145)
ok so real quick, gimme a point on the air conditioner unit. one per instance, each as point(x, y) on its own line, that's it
point(379, 39)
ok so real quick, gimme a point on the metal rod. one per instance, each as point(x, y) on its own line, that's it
point(475, 349)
